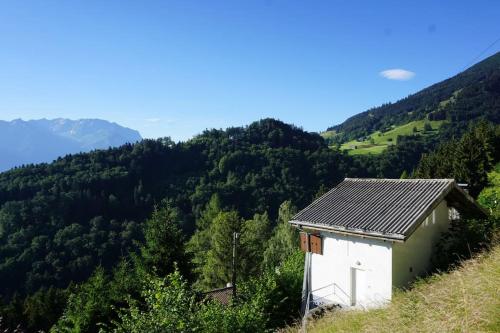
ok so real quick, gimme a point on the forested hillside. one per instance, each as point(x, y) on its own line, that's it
point(59, 221)
point(84, 236)
point(472, 94)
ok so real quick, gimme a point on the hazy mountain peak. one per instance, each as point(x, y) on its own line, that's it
point(42, 140)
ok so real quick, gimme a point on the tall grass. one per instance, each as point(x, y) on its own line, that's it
point(464, 300)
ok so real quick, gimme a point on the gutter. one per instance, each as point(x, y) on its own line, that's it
point(361, 233)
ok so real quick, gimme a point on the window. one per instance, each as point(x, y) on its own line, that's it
point(453, 214)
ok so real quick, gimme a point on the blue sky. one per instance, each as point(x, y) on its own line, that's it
point(174, 68)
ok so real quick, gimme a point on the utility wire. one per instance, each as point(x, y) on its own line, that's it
point(481, 53)
point(475, 60)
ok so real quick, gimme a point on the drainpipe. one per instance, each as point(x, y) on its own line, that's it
point(306, 290)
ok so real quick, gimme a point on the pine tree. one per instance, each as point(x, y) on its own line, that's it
point(217, 270)
point(467, 160)
point(199, 244)
point(474, 157)
point(254, 236)
point(285, 239)
point(163, 241)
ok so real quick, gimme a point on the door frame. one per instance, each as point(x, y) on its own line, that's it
point(354, 288)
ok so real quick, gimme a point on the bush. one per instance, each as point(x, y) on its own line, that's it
point(169, 307)
point(465, 238)
point(97, 300)
point(263, 304)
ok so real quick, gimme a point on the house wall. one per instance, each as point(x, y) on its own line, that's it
point(413, 257)
point(331, 272)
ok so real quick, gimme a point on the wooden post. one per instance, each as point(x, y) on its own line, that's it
point(233, 279)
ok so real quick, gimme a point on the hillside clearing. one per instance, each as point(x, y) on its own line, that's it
point(464, 300)
point(378, 141)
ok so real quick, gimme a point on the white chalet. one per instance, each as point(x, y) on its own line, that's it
point(366, 236)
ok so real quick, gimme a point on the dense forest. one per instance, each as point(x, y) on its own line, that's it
point(58, 221)
point(130, 238)
point(87, 239)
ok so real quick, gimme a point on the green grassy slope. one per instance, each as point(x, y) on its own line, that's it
point(469, 96)
point(464, 300)
point(378, 141)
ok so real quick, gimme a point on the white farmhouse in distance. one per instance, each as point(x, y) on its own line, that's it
point(366, 236)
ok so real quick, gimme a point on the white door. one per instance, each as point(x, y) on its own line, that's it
point(358, 286)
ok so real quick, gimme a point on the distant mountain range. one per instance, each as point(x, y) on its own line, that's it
point(43, 140)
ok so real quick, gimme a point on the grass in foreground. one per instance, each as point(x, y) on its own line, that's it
point(464, 300)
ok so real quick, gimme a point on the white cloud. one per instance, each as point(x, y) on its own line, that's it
point(153, 120)
point(397, 74)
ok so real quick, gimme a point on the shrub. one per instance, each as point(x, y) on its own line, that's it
point(465, 237)
point(170, 305)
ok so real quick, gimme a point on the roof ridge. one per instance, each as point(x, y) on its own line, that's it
point(218, 289)
point(399, 179)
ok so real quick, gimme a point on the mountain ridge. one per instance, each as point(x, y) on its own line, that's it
point(471, 94)
point(43, 140)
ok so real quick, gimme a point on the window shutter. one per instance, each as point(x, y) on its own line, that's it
point(316, 246)
point(304, 242)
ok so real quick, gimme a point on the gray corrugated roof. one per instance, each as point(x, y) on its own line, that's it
point(391, 208)
point(222, 295)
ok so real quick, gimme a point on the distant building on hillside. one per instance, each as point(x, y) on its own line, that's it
point(366, 236)
point(222, 295)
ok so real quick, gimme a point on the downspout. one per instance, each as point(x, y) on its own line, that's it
point(306, 290)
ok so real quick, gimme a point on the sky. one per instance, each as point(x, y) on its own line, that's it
point(175, 68)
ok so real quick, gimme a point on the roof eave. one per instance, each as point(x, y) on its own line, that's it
point(359, 233)
point(471, 200)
